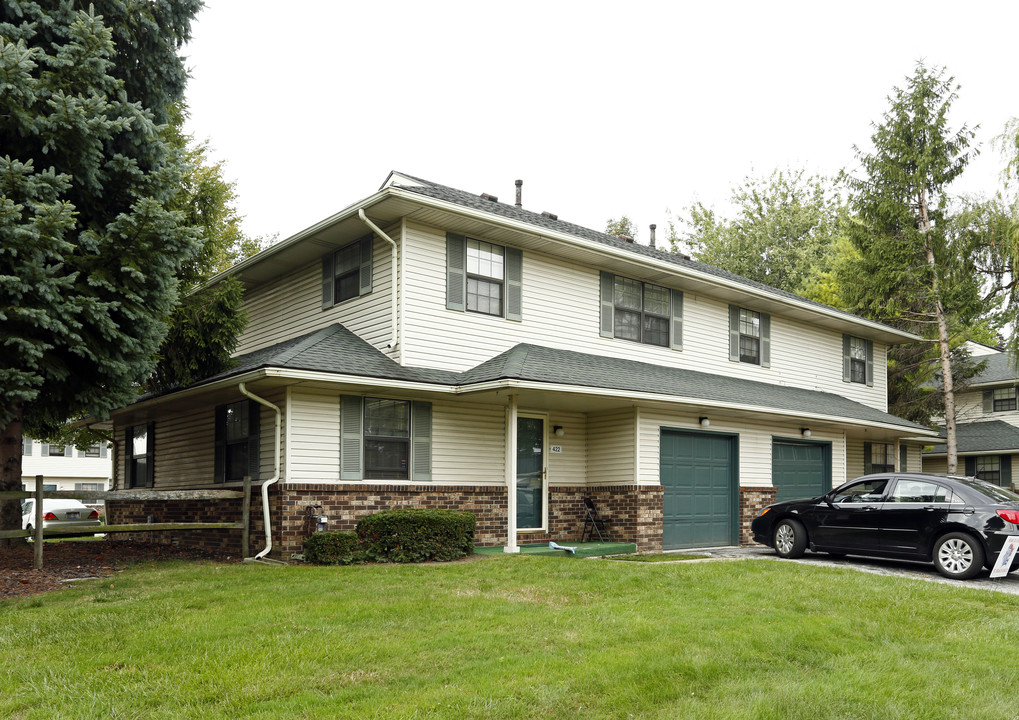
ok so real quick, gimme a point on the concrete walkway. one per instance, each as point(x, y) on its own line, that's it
point(917, 571)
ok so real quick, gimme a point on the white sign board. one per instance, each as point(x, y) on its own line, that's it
point(1006, 556)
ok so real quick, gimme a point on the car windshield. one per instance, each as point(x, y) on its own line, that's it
point(993, 492)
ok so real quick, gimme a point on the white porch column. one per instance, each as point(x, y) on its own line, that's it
point(511, 476)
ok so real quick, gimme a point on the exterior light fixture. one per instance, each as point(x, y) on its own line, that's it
point(558, 431)
point(705, 421)
point(805, 432)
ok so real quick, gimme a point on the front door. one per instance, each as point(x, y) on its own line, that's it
point(531, 493)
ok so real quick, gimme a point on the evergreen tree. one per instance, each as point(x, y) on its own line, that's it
point(911, 266)
point(90, 244)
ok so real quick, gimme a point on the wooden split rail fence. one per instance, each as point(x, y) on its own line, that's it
point(37, 533)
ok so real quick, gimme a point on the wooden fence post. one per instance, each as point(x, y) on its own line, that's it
point(246, 516)
point(37, 549)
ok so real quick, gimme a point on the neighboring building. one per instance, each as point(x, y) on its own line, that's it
point(987, 421)
point(432, 347)
point(64, 467)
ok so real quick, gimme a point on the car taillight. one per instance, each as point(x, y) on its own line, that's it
point(94, 515)
point(49, 516)
point(1011, 516)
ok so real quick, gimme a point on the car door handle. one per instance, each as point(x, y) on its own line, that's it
point(869, 507)
point(929, 508)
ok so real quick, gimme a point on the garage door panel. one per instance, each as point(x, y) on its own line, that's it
point(800, 470)
point(697, 475)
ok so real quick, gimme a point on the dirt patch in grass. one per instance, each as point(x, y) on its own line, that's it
point(64, 561)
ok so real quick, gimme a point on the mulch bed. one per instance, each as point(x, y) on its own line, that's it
point(64, 561)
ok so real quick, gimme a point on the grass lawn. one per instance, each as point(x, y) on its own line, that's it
point(510, 637)
point(662, 557)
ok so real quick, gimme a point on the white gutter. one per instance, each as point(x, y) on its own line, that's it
point(394, 330)
point(271, 481)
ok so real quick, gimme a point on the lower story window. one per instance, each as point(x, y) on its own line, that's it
point(237, 441)
point(882, 457)
point(989, 468)
point(386, 439)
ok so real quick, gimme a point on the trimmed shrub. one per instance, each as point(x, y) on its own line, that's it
point(411, 535)
point(333, 548)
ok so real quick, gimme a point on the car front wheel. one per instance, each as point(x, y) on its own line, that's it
point(790, 539)
point(958, 556)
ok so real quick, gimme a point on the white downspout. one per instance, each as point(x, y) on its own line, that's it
point(395, 329)
point(271, 481)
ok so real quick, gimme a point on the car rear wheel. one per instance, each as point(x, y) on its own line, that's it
point(958, 556)
point(790, 539)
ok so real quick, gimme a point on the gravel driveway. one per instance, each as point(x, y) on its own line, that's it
point(917, 571)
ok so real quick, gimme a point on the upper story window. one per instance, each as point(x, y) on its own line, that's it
point(641, 312)
point(347, 272)
point(749, 336)
point(54, 450)
point(1004, 399)
point(484, 278)
point(98, 450)
point(857, 360)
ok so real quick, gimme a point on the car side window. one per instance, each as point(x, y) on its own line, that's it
point(867, 491)
point(919, 491)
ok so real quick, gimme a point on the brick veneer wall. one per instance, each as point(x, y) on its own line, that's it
point(630, 513)
point(751, 501)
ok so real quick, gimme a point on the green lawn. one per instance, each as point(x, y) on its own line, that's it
point(510, 637)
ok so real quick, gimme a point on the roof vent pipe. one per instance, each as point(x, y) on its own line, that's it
point(520, 185)
point(653, 226)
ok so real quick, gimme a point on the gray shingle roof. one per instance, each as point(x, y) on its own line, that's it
point(999, 368)
point(512, 212)
point(981, 436)
point(335, 349)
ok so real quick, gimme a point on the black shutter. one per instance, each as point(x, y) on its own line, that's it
point(608, 309)
point(676, 330)
point(150, 452)
point(254, 438)
point(128, 454)
point(365, 277)
point(847, 359)
point(514, 284)
point(971, 466)
point(219, 457)
point(868, 465)
point(734, 333)
point(456, 272)
point(903, 457)
point(1005, 465)
point(328, 279)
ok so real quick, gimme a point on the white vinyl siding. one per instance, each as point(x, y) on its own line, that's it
point(570, 466)
point(561, 309)
point(940, 465)
point(185, 447)
point(611, 438)
point(291, 305)
point(969, 407)
point(755, 444)
point(63, 471)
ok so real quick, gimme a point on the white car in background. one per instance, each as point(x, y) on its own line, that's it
point(58, 513)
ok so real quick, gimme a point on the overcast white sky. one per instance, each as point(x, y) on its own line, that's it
point(601, 108)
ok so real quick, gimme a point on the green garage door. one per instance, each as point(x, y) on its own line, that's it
point(698, 472)
point(800, 470)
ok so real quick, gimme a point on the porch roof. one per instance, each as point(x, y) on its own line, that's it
point(336, 350)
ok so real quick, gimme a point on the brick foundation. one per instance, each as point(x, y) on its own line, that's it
point(751, 501)
point(630, 513)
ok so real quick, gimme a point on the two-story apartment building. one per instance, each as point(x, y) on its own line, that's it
point(64, 467)
point(987, 421)
point(432, 347)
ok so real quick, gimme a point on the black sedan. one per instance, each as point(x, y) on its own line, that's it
point(958, 523)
